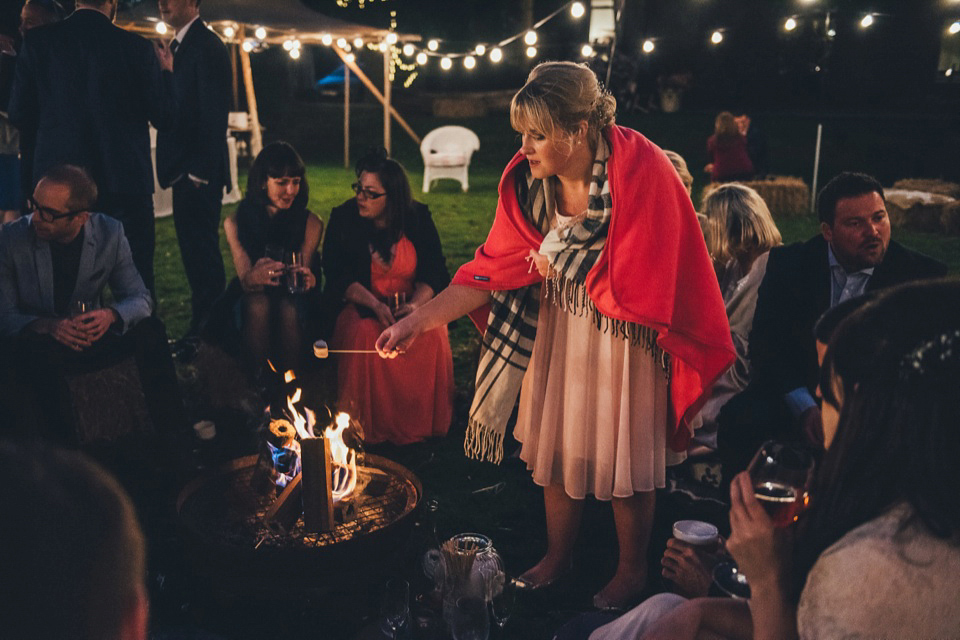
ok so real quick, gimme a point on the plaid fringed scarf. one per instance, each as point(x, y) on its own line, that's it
point(512, 323)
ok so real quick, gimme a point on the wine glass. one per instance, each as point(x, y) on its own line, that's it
point(470, 619)
point(781, 475)
point(80, 307)
point(395, 608)
point(502, 602)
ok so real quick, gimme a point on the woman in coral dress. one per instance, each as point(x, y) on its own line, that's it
point(382, 260)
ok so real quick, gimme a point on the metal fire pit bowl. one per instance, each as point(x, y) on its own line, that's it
point(220, 519)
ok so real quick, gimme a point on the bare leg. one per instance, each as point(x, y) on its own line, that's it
point(633, 518)
point(256, 329)
point(289, 335)
point(563, 524)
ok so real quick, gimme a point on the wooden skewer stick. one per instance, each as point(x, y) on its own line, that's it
point(320, 350)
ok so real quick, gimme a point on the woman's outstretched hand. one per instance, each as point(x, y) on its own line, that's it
point(265, 273)
point(397, 338)
point(753, 543)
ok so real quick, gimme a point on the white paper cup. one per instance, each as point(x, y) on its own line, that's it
point(696, 532)
point(205, 430)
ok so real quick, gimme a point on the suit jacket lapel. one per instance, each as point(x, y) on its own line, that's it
point(821, 277)
point(88, 255)
point(43, 264)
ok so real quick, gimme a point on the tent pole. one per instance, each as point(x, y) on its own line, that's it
point(387, 90)
point(373, 89)
point(346, 117)
point(236, 82)
point(256, 139)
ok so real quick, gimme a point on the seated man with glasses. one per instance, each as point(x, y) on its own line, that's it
point(54, 267)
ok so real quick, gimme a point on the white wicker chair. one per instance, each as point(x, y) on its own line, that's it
point(446, 154)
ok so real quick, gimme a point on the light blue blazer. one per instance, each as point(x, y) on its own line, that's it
point(26, 274)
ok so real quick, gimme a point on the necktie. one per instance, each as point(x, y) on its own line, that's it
point(174, 45)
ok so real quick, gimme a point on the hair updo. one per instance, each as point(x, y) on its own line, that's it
point(557, 97)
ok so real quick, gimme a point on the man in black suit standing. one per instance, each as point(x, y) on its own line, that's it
point(852, 255)
point(84, 92)
point(192, 156)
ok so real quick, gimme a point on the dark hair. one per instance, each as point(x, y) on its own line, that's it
point(52, 7)
point(83, 190)
point(897, 438)
point(276, 160)
point(71, 550)
point(396, 185)
point(845, 185)
point(832, 317)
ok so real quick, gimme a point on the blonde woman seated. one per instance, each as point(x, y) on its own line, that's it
point(740, 233)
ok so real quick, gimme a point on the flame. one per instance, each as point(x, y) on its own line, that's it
point(289, 376)
point(344, 459)
point(270, 364)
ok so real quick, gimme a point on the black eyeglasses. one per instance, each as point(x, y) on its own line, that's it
point(370, 194)
point(47, 214)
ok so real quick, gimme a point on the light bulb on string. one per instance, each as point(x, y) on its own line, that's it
point(790, 24)
point(586, 51)
point(433, 45)
point(867, 21)
point(954, 28)
point(531, 52)
point(326, 39)
point(346, 47)
point(496, 55)
point(287, 45)
point(446, 63)
point(408, 49)
point(358, 43)
point(831, 33)
point(577, 10)
point(342, 43)
point(162, 28)
point(648, 46)
point(351, 57)
point(530, 38)
point(469, 62)
point(421, 58)
point(382, 46)
point(480, 49)
point(261, 33)
point(391, 38)
point(297, 45)
point(229, 32)
point(295, 53)
point(716, 37)
point(247, 45)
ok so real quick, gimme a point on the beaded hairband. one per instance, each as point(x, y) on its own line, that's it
point(931, 354)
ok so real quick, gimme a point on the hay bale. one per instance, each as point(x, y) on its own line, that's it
point(917, 210)
point(785, 195)
point(940, 187)
point(950, 219)
point(109, 403)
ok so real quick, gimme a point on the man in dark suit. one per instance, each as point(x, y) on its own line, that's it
point(84, 92)
point(192, 156)
point(853, 255)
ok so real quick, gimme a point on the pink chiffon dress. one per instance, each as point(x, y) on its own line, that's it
point(410, 397)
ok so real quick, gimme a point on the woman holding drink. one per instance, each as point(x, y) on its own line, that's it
point(272, 239)
point(877, 554)
point(601, 311)
point(382, 259)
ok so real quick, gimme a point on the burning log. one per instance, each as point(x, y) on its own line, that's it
point(283, 514)
point(278, 460)
point(317, 476)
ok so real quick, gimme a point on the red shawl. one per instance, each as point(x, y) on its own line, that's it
point(653, 271)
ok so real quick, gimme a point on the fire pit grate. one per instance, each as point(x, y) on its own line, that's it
point(224, 509)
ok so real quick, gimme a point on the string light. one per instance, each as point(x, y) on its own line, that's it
point(496, 55)
point(531, 52)
point(648, 46)
point(229, 32)
point(247, 45)
point(287, 45)
point(358, 43)
point(832, 33)
point(295, 53)
point(421, 58)
point(382, 47)
point(161, 28)
point(326, 39)
point(577, 10)
point(351, 57)
point(716, 37)
point(790, 24)
point(948, 72)
point(391, 38)
point(261, 33)
point(470, 62)
point(867, 21)
point(446, 63)
point(954, 28)
point(530, 38)
point(480, 49)
point(433, 45)
point(586, 51)
point(342, 43)
point(408, 49)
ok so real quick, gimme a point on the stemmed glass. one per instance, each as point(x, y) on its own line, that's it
point(502, 602)
point(781, 475)
point(396, 607)
point(471, 621)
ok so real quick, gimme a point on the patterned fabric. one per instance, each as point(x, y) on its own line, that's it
point(512, 322)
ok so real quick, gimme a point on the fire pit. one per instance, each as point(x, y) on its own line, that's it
point(222, 520)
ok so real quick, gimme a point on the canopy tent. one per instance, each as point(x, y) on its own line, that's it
point(237, 21)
